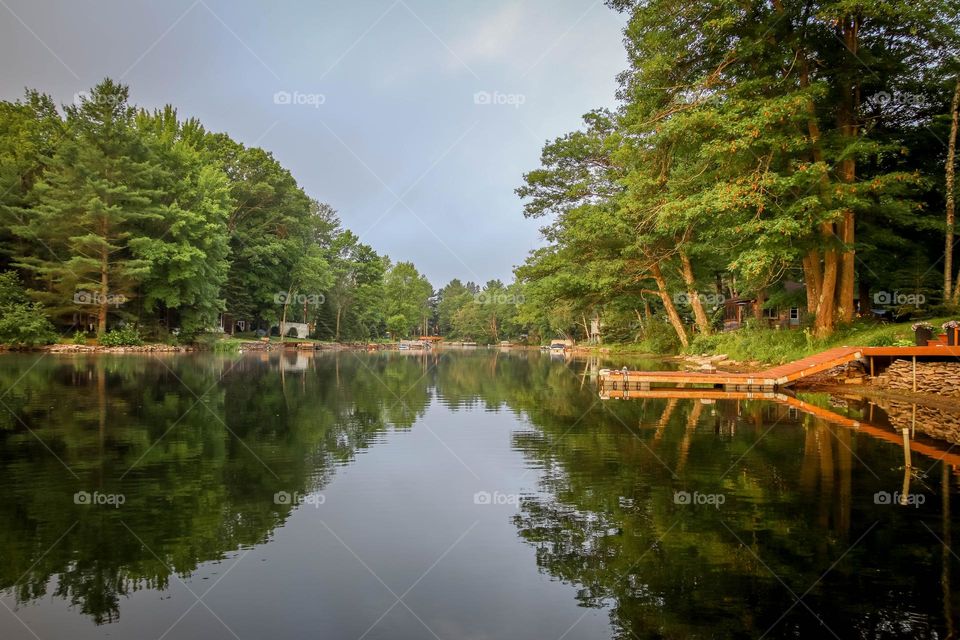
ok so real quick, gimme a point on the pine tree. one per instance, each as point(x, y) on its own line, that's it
point(90, 206)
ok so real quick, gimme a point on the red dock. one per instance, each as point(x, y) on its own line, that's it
point(614, 382)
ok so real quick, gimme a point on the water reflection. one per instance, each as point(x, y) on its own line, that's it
point(629, 508)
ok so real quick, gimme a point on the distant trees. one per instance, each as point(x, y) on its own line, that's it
point(121, 215)
point(407, 297)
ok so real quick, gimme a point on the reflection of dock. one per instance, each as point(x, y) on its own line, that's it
point(783, 375)
point(930, 449)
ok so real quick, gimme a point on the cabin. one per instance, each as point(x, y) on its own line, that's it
point(737, 311)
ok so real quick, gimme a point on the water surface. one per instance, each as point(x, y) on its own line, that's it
point(449, 495)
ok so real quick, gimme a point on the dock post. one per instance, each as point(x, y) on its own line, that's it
point(906, 448)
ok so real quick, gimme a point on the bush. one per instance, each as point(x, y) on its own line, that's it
point(660, 337)
point(126, 336)
point(22, 323)
point(80, 337)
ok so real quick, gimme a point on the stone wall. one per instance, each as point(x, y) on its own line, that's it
point(941, 378)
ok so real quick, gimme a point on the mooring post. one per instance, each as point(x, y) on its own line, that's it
point(906, 448)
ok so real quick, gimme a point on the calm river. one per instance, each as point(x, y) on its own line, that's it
point(455, 496)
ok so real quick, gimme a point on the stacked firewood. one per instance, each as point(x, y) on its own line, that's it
point(937, 423)
point(941, 378)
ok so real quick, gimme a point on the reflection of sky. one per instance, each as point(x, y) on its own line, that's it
point(398, 119)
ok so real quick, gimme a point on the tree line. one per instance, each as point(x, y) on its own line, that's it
point(755, 145)
point(113, 215)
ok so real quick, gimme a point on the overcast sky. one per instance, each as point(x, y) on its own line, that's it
point(415, 119)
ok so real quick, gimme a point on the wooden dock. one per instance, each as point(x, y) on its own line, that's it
point(613, 382)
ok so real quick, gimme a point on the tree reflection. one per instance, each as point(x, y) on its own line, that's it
point(200, 444)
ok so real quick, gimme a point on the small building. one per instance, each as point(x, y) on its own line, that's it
point(294, 330)
point(737, 311)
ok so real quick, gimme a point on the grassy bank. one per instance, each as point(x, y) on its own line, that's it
point(775, 347)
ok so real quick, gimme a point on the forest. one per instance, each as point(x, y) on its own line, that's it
point(783, 155)
point(789, 162)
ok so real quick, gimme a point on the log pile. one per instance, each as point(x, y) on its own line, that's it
point(941, 378)
point(937, 423)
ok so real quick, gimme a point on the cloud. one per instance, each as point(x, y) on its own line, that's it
point(495, 36)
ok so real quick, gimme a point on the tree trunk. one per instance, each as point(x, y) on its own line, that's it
point(668, 304)
point(848, 174)
point(283, 317)
point(103, 306)
point(336, 337)
point(847, 270)
point(758, 306)
point(825, 320)
point(951, 155)
point(866, 308)
point(703, 323)
point(814, 279)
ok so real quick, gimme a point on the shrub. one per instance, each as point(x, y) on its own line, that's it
point(126, 336)
point(660, 337)
point(79, 337)
point(22, 323)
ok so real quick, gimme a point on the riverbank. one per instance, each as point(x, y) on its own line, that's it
point(219, 346)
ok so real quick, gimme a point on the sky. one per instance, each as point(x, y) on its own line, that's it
point(414, 119)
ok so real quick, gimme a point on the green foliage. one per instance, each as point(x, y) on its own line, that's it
point(125, 336)
point(115, 213)
point(226, 345)
point(22, 323)
point(659, 338)
point(80, 337)
point(407, 295)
